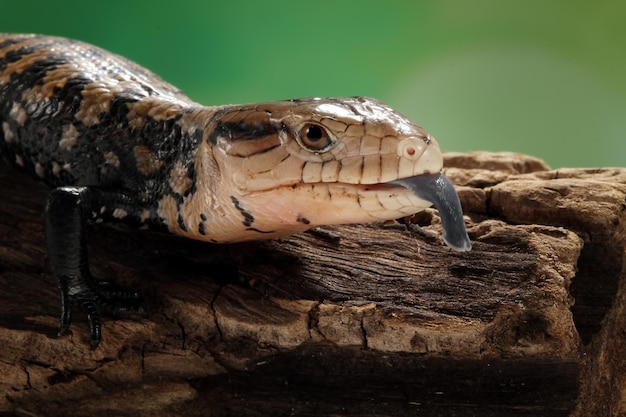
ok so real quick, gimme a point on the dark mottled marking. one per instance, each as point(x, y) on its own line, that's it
point(191, 173)
point(302, 219)
point(252, 229)
point(9, 42)
point(14, 56)
point(201, 229)
point(243, 130)
point(203, 217)
point(248, 218)
point(181, 222)
point(25, 46)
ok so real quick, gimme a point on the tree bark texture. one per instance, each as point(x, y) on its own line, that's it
point(366, 320)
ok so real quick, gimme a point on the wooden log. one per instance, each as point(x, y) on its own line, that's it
point(378, 319)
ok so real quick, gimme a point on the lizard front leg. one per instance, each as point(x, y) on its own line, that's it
point(67, 211)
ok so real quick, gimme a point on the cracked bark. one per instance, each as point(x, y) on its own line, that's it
point(350, 320)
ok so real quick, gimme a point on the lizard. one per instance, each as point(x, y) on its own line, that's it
point(117, 143)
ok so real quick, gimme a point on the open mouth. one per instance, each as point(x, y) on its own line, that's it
point(438, 189)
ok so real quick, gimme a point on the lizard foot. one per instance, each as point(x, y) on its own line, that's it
point(102, 298)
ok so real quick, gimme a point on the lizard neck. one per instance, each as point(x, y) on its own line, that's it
point(188, 198)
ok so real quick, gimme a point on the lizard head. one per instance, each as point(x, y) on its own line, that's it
point(290, 165)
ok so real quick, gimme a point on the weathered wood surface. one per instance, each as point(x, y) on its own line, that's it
point(351, 320)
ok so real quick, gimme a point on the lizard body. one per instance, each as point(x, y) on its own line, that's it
point(117, 143)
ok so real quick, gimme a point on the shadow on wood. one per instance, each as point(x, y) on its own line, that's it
point(376, 319)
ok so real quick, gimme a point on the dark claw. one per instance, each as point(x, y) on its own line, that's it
point(103, 298)
point(67, 305)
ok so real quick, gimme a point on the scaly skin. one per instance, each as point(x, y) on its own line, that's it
point(117, 143)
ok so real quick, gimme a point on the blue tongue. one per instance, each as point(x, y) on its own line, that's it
point(439, 190)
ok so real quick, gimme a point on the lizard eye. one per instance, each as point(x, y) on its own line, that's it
point(314, 138)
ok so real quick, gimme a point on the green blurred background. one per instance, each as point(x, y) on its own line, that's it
point(543, 77)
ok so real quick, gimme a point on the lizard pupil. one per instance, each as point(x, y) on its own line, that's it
point(314, 133)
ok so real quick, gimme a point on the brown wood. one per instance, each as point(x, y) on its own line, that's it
point(377, 319)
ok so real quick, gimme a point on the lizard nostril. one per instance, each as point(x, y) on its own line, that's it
point(411, 148)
